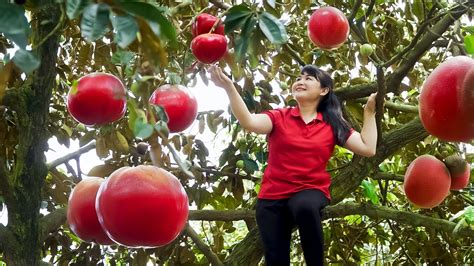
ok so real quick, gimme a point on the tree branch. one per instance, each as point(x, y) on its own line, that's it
point(425, 43)
point(342, 210)
point(220, 4)
point(357, 91)
point(72, 155)
point(394, 106)
point(206, 250)
point(388, 176)
point(227, 216)
point(349, 178)
point(382, 212)
point(380, 98)
point(294, 54)
point(51, 222)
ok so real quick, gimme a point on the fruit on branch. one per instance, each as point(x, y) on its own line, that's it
point(460, 171)
point(203, 24)
point(209, 48)
point(427, 181)
point(179, 104)
point(447, 100)
point(142, 148)
point(97, 99)
point(366, 49)
point(81, 213)
point(328, 28)
point(143, 206)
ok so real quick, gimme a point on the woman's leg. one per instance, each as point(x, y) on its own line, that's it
point(275, 225)
point(306, 207)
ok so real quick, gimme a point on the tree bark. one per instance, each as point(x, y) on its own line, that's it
point(29, 170)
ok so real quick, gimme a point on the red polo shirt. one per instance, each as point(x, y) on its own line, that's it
point(298, 155)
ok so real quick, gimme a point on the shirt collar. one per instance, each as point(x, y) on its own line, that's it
point(295, 112)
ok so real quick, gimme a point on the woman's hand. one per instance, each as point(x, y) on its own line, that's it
point(370, 105)
point(219, 78)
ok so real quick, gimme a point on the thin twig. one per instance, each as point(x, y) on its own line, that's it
point(72, 155)
point(206, 250)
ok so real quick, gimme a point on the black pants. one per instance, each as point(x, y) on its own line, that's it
point(276, 219)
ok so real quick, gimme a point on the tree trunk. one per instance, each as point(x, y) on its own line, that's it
point(29, 170)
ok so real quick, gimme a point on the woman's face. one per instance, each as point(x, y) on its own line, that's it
point(307, 88)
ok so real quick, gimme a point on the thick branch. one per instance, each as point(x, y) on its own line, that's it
point(227, 216)
point(382, 89)
point(72, 155)
point(344, 209)
point(388, 176)
point(206, 250)
point(404, 217)
point(349, 178)
point(51, 222)
point(357, 91)
point(395, 106)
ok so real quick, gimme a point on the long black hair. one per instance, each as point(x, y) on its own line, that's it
point(330, 105)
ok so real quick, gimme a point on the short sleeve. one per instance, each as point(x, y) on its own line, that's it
point(351, 130)
point(276, 115)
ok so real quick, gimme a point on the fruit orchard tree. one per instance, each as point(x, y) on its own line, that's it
point(47, 46)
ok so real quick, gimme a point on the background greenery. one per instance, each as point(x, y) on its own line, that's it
point(146, 44)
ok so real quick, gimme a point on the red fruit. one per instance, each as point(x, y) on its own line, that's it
point(328, 28)
point(209, 48)
point(460, 171)
point(203, 24)
point(446, 100)
point(143, 206)
point(98, 98)
point(81, 214)
point(180, 106)
point(426, 182)
point(459, 181)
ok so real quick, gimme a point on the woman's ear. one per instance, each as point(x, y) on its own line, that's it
point(325, 91)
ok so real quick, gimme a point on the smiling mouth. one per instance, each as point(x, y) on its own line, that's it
point(300, 89)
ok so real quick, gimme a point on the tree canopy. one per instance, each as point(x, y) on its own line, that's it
point(46, 46)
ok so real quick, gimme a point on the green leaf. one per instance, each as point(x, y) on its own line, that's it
point(13, 24)
point(250, 165)
point(469, 43)
point(273, 29)
point(125, 29)
point(152, 13)
point(469, 215)
point(162, 128)
point(243, 40)
point(160, 111)
point(271, 3)
point(469, 29)
point(122, 57)
point(75, 7)
point(26, 61)
point(418, 9)
point(235, 17)
point(142, 129)
point(369, 191)
point(95, 21)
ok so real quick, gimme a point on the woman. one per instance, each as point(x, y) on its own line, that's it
point(301, 139)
